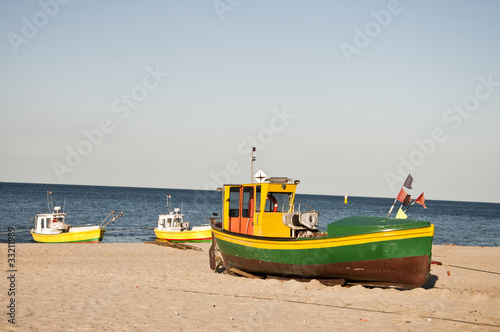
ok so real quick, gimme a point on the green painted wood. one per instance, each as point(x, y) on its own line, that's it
point(366, 224)
point(369, 251)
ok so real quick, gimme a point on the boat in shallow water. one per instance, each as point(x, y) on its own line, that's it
point(51, 227)
point(172, 227)
point(262, 233)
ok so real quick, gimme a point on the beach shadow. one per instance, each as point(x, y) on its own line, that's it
point(431, 282)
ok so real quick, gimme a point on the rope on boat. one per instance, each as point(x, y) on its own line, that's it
point(468, 268)
point(130, 230)
point(114, 231)
point(24, 230)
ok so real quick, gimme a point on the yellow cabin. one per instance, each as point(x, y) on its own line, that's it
point(258, 208)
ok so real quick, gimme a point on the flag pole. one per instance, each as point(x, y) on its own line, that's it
point(418, 201)
point(407, 184)
point(392, 207)
point(409, 206)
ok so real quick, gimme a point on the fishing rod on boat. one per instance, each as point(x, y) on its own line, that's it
point(112, 212)
point(112, 219)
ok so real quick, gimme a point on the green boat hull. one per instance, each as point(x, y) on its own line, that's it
point(392, 257)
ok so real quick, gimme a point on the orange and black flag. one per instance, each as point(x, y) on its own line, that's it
point(407, 200)
point(402, 195)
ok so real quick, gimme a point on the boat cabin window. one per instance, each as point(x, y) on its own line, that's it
point(247, 202)
point(278, 202)
point(257, 198)
point(234, 202)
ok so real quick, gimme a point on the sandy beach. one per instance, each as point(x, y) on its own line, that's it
point(142, 287)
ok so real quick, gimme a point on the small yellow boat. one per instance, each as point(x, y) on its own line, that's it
point(196, 234)
point(51, 227)
point(172, 227)
point(85, 234)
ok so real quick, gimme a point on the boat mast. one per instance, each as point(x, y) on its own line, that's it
point(253, 159)
point(169, 205)
point(50, 206)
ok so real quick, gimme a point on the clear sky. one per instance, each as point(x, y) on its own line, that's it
point(347, 96)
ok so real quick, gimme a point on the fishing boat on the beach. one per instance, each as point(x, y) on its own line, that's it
point(51, 227)
point(173, 228)
point(262, 233)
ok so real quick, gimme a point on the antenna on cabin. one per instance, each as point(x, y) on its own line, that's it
point(253, 159)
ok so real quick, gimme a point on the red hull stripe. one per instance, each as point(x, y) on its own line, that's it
point(193, 239)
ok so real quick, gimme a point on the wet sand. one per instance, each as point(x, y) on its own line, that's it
point(142, 287)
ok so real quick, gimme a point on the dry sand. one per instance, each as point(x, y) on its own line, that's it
point(130, 287)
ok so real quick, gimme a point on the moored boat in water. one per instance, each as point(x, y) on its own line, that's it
point(172, 227)
point(263, 233)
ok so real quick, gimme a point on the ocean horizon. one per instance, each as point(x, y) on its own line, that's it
point(462, 223)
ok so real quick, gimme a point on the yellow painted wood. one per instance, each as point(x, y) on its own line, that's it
point(184, 235)
point(326, 242)
point(78, 236)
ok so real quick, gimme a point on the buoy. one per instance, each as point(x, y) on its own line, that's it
point(345, 198)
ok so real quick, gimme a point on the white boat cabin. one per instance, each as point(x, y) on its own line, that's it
point(51, 223)
point(172, 221)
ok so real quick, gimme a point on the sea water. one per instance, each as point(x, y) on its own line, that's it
point(461, 223)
